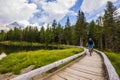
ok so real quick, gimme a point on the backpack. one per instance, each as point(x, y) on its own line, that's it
point(90, 42)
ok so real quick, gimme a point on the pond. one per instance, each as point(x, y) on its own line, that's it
point(18, 48)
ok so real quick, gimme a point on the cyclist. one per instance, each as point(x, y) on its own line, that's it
point(90, 45)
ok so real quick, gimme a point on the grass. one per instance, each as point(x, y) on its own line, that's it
point(115, 60)
point(23, 43)
point(17, 61)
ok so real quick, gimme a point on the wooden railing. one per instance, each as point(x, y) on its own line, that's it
point(43, 69)
point(109, 67)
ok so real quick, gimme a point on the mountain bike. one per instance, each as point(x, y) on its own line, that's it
point(90, 50)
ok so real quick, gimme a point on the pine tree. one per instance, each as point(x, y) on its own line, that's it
point(2, 35)
point(60, 33)
point(67, 32)
point(99, 32)
point(47, 36)
point(42, 35)
point(54, 26)
point(80, 28)
point(109, 24)
point(91, 29)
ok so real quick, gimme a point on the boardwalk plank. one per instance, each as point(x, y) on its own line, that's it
point(87, 71)
point(88, 68)
point(56, 77)
point(95, 70)
point(66, 76)
point(87, 75)
point(73, 75)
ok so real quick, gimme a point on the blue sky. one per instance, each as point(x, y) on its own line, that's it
point(42, 12)
point(75, 8)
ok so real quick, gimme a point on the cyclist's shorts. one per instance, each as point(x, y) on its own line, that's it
point(90, 45)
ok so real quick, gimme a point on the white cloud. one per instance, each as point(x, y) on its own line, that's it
point(100, 14)
point(27, 23)
point(45, 25)
point(117, 14)
point(24, 22)
point(72, 13)
point(22, 12)
point(118, 10)
point(95, 16)
point(89, 6)
point(95, 8)
point(55, 10)
point(5, 28)
point(15, 10)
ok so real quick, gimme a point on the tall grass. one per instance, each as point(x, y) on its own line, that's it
point(115, 60)
point(17, 61)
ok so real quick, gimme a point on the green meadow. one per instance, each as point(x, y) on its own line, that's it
point(115, 60)
point(15, 62)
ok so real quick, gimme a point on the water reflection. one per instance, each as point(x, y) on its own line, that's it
point(15, 48)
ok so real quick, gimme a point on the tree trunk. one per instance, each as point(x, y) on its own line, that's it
point(101, 43)
point(81, 41)
point(67, 42)
point(106, 46)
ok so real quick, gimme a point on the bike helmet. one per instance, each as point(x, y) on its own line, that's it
point(90, 39)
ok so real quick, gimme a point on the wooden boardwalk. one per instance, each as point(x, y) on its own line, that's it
point(88, 68)
point(95, 67)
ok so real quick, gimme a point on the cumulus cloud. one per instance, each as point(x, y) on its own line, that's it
point(36, 12)
point(118, 10)
point(26, 23)
point(95, 8)
point(5, 28)
point(89, 6)
point(54, 10)
point(15, 10)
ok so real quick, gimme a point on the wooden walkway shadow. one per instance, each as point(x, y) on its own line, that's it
point(88, 68)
